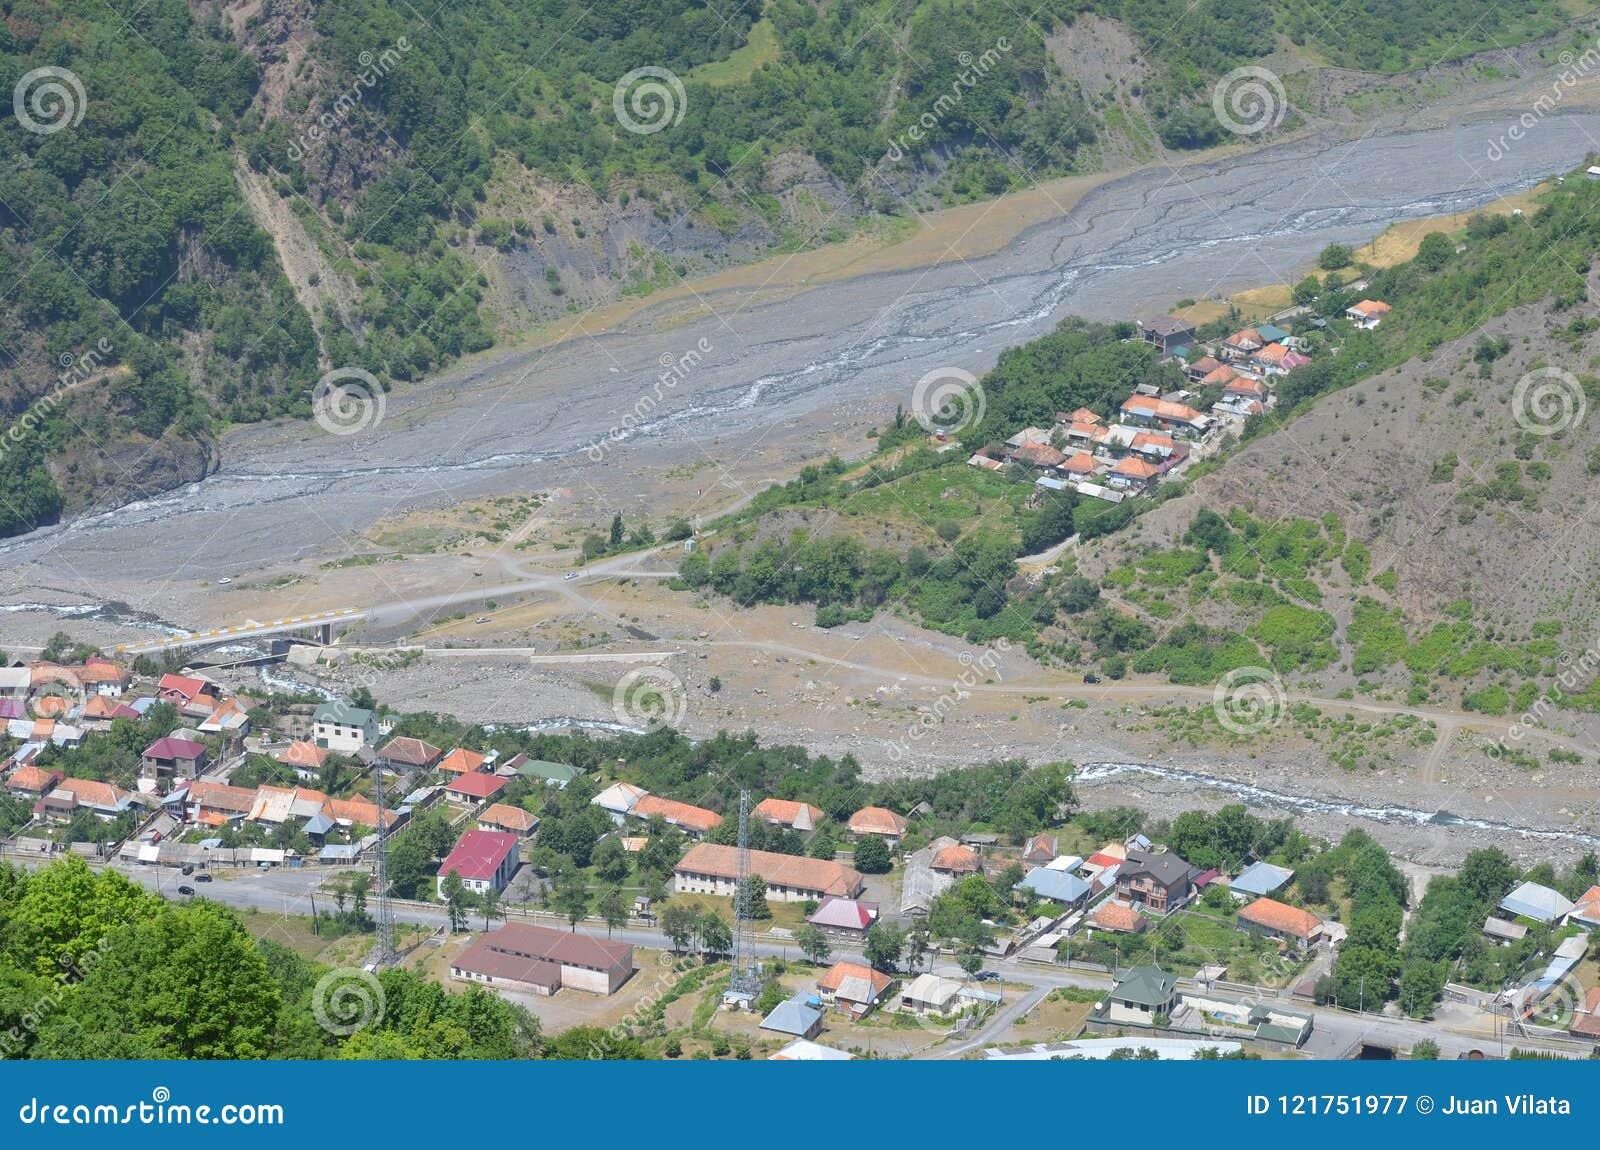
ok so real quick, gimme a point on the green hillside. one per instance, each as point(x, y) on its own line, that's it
point(452, 179)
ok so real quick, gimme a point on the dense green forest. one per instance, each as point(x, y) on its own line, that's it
point(124, 228)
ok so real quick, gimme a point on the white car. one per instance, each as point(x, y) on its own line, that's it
point(571, 575)
point(223, 582)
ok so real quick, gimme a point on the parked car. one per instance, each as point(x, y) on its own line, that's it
point(202, 877)
point(188, 868)
point(1090, 677)
point(987, 976)
point(186, 890)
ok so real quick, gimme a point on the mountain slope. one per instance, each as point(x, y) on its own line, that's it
point(240, 196)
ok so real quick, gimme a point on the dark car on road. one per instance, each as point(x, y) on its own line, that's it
point(202, 877)
point(186, 890)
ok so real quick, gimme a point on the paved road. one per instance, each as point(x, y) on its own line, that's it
point(531, 419)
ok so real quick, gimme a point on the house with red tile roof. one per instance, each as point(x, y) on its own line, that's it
point(1586, 1018)
point(1279, 920)
point(474, 786)
point(1242, 344)
point(787, 813)
point(484, 859)
point(173, 758)
point(1040, 456)
point(696, 822)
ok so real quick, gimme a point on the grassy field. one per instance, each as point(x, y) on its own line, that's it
point(915, 503)
point(761, 48)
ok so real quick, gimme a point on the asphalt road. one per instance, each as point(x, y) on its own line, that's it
point(529, 419)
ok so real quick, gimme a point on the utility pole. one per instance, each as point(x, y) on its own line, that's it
point(385, 911)
point(745, 983)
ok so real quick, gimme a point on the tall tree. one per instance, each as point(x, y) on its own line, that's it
point(814, 944)
point(571, 897)
point(614, 908)
point(455, 897)
point(680, 924)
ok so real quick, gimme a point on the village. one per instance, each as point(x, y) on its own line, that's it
point(1157, 435)
point(786, 928)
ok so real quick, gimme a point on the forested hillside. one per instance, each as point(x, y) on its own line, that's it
point(205, 205)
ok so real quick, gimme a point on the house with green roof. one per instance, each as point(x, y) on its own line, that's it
point(343, 727)
point(1140, 994)
point(555, 774)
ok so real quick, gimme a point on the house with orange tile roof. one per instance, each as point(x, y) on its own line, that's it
point(303, 757)
point(1586, 910)
point(1165, 415)
point(1367, 314)
point(503, 817)
point(1079, 465)
point(31, 782)
point(711, 868)
point(1198, 369)
point(854, 989)
point(216, 803)
point(878, 821)
point(70, 795)
point(1119, 918)
point(696, 822)
point(956, 860)
point(1274, 919)
point(1242, 344)
point(1132, 474)
point(462, 761)
point(358, 811)
point(796, 816)
point(101, 676)
point(1586, 1018)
